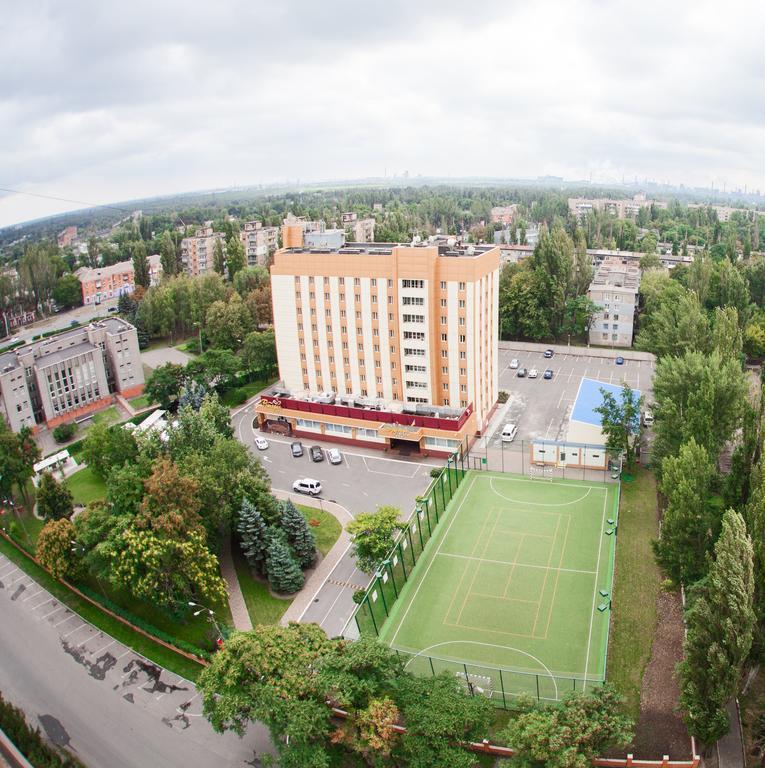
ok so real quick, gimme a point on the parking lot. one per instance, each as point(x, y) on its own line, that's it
point(541, 408)
point(361, 482)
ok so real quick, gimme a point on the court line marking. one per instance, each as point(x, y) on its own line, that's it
point(510, 479)
point(523, 534)
point(483, 630)
point(504, 597)
point(557, 578)
point(595, 593)
point(536, 503)
point(515, 562)
point(506, 562)
point(433, 560)
point(489, 645)
point(547, 573)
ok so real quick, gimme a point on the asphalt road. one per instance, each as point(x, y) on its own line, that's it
point(63, 320)
point(365, 480)
point(88, 692)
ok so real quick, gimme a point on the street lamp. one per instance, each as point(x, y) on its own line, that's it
point(199, 325)
point(210, 617)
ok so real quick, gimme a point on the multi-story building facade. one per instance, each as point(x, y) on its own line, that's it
point(503, 214)
point(70, 375)
point(361, 230)
point(102, 283)
point(259, 242)
point(614, 289)
point(393, 346)
point(621, 209)
point(66, 237)
point(295, 228)
point(197, 252)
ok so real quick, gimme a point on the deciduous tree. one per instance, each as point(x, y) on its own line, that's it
point(106, 448)
point(620, 422)
point(55, 550)
point(165, 383)
point(372, 534)
point(675, 327)
point(54, 501)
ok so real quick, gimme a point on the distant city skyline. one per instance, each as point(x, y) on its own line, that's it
point(174, 97)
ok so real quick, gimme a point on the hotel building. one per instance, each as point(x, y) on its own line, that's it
point(392, 346)
point(69, 375)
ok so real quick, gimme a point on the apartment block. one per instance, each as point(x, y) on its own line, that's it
point(615, 290)
point(259, 242)
point(294, 229)
point(621, 209)
point(503, 214)
point(66, 237)
point(102, 283)
point(197, 252)
point(391, 346)
point(70, 375)
point(361, 230)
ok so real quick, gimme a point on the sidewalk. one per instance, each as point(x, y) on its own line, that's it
point(730, 748)
point(318, 577)
point(239, 612)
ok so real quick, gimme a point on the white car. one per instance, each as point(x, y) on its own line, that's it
point(261, 443)
point(533, 373)
point(514, 363)
point(509, 431)
point(307, 485)
point(334, 456)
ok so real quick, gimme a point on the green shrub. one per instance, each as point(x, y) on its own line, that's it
point(358, 596)
point(502, 396)
point(64, 432)
point(436, 471)
point(29, 741)
point(236, 397)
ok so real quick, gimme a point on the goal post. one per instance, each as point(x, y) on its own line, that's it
point(540, 473)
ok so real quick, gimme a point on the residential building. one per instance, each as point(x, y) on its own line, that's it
point(327, 238)
point(725, 212)
point(295, 227)
point(503, 214)
point(67, 376)
point(621, 209)
point(259, 242)
point(197, 252)
point(390, 346)
point(615, 290)
point(361, 230)
point(66, 236)
point(102, 283)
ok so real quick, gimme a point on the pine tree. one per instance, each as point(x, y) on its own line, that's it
point(282, 569)
point(755, 518)
point(688, 525)
point(219, 256)
point(252, 534)
point(299, 535)
point(141, 274)
point(54, 501)
point(719, 622)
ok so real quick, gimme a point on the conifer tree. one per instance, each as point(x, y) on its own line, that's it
point(299, 535)
point(755, 519)
point(719, 622)
point(54, 501)
point(282, 569)
point(252, 534)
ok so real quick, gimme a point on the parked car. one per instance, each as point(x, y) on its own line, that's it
point(533, 373)
point(307, 485)
point(334, 456)
point(548, 373)
point(521, 373)
point(261, 443)
point(514, 363)
point(297, 449)
point(647, 419)
point(316, 453)
point(112, 310)
point(620, 360)
point(549, 353)
point(509, 431)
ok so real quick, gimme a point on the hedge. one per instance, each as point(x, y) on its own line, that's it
point(29, 741)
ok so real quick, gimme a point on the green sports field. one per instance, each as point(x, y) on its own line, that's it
point(513, 579)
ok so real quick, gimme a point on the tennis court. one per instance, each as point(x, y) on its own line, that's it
point(512, 592)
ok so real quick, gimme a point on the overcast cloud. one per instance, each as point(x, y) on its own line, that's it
point(104, 102)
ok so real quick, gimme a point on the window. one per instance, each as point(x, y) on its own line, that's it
point(410, 399)
point(374, 316)
point(341, 281)
point(412, 283)
point(375, 331)
point(378, 379)
point(463, 371)
point(444, 353)
point(376, 347)
point(616, 317)
point(462, 338)
point(341, 429)
point(445, 369)
point(347, 360)
point(462, 286)
point(443, 319)
point(441, 442)
point(390, 283)
point(463, 387)
point(390, 317)
point(444, 337)
point(374, 298)
point(443, 285)
point(374, 282)
point(413, 301)
point(416, 335)
point(462, 321)
point(327, 313)
point(462, 303)
point(415, 368)
point(326, 297)
point(366, 433)
point(311, 295)
point(414, 352)
point(414, 318)
point(463, 355)
point(416, 385)
point(614, 336)
point(390, 299)
point(605, 326)
point(342, 313)
point(356, 281)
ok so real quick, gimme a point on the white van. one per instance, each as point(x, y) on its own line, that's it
point(647, 419)
point(307, 485)
point(509, 431)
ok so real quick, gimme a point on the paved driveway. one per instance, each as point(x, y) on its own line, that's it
point(156, 357)
point(109, 705)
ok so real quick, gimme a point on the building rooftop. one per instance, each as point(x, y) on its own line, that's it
point(98, 273)
point(65, 354)
point(616, 273)
point(386, 249)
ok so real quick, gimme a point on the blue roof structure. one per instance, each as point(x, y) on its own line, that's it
point(590, 397)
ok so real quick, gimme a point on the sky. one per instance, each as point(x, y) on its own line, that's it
point(103, 102)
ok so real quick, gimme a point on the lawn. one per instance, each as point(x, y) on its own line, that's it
point(107, 416)
point(250, 389)
point(86, 486)
point(140, 402)
point(635, 590)
point(26, 525)
point(261, 605)
point(190, 346)
point(151, 650)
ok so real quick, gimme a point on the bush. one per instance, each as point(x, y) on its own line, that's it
point(64, 432)
point(502, 396)
point(436, 471)
point(29, 741)
point(236, 397)
point(358, 596)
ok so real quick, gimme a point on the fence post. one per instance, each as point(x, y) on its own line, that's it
point(467, 680)
point(401, 557)
point(430, 659)
point(411, 544)
point(419, 528)
point(449, 476)
point(502, 686)
point(371, 614)
point(443, 495)
point(538, 696)
point(629, 761)
point(382, 594)
point(389, 564)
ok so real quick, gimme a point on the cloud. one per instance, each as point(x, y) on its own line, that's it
point(173, 96)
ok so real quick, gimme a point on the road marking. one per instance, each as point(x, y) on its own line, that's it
point(63, 621)
point(32, 595)
point(390, 474)
point(72, 631)
point(316, 594)
point(55, 610)
point(4, 575)
point(18, 578)
point(44, 602)
point(111, 642)
point(265, 458)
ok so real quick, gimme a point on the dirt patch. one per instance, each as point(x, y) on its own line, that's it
point(660, 729)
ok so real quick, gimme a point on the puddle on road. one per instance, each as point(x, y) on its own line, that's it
point(137, 667)
point(96, 669)
point(54, 730)
point(19, 590)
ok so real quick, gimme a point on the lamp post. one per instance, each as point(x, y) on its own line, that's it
point(199, 325)
point(210, 617)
